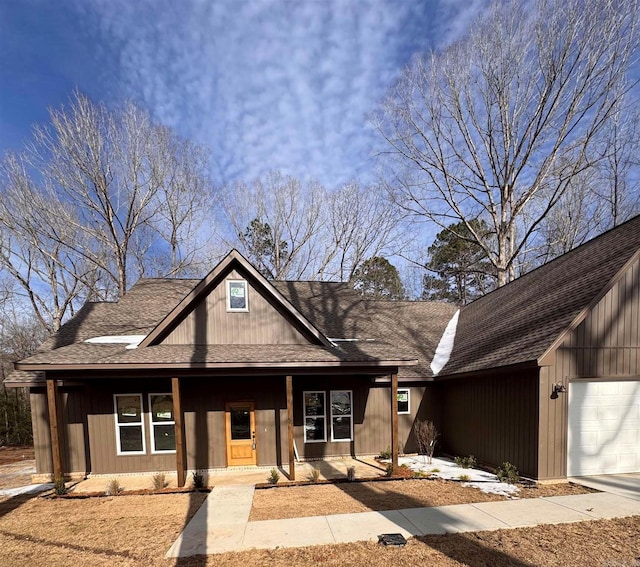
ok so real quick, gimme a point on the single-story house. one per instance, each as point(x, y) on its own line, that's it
point(237, 371)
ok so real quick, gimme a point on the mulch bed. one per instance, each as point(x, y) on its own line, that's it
point(139, 492)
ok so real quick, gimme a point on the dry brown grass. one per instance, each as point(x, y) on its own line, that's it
point(345, 498)
point(15, 454)
point(138, 530)
point(119, 530)
point(587, 544)
point(16, 466)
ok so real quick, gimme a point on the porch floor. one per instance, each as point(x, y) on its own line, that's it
point(365, 467)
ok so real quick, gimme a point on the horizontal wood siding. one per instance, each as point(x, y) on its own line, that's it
point(606, 345)
point(210, 323)
point(493, 417)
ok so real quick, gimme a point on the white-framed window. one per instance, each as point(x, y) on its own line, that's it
point(163, 425)
point(315, 417)
point(341, 415)
point(129, 424)
point(404, 401)
point(237, 295)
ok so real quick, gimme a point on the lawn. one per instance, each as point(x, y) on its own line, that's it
point(137, 530)
point(345, 498)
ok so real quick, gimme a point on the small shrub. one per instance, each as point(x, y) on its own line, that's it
point(426, 436)
point(435, 470)
point(464, 477)
point(59, 487)
point(389, 470)
point(314, 476)
point(351, 474)
point(508, 473)
point(159, 481)
point(273, 477)
point(113, 488)
point(198, 480)
point(418, 474)
point(466, 462)
point(386, 454)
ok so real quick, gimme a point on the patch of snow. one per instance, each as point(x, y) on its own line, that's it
point(448, 470)
point(30, 489)
point(445, 346)
point(132, 341)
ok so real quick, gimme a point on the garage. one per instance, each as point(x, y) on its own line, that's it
point(603, 427)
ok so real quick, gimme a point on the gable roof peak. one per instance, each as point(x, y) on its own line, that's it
point(215, 276)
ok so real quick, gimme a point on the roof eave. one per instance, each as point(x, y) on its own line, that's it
point(375, 364)
point(525, 365)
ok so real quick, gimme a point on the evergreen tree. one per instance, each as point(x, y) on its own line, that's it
point(377, 278)
point(460, 269)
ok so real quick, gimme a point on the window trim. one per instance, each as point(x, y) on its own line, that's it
point(153, 423)
point(408, 391)
point(350, 415)
point(324, 415)
point(244, 309)
point(140, 424)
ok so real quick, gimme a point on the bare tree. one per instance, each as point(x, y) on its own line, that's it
point(293, 230)
point(617, 183)
point(182, 203)
point(46, 272)
point(514, 110)
point(19, 337)
point(121, 178)
point(361, 224)
point(291, 212)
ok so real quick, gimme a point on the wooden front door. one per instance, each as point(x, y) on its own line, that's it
point(241, 434)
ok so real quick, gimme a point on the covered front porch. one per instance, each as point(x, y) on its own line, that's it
point(229, 423)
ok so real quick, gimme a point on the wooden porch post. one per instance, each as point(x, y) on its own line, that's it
point(179, 425)
point(292, 461)
point(55, 427)
point(394, 419)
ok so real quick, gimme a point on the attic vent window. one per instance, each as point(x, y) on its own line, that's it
point(237, 295)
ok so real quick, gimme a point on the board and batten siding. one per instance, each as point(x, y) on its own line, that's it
point(493, 417)
point(211, 323)
point(604, 346)
point(74, 411)
point(89, 409)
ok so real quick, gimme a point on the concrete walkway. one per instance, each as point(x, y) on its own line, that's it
point(222, 524)
point(624, 484)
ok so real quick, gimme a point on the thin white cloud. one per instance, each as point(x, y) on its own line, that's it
point(270, 84)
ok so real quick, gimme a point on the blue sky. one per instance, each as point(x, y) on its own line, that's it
point(265, 84)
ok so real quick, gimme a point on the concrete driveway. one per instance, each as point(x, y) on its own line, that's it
point(627, 484)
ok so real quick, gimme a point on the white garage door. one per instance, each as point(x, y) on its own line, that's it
point(604, 428)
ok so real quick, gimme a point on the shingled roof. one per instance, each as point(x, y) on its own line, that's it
point(515, 324)
point(370, 333)
point(519, 322)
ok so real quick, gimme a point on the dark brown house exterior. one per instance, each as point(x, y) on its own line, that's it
point(237, 371)
point(229, 371)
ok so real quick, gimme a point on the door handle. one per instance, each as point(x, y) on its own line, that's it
point(253, 440)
